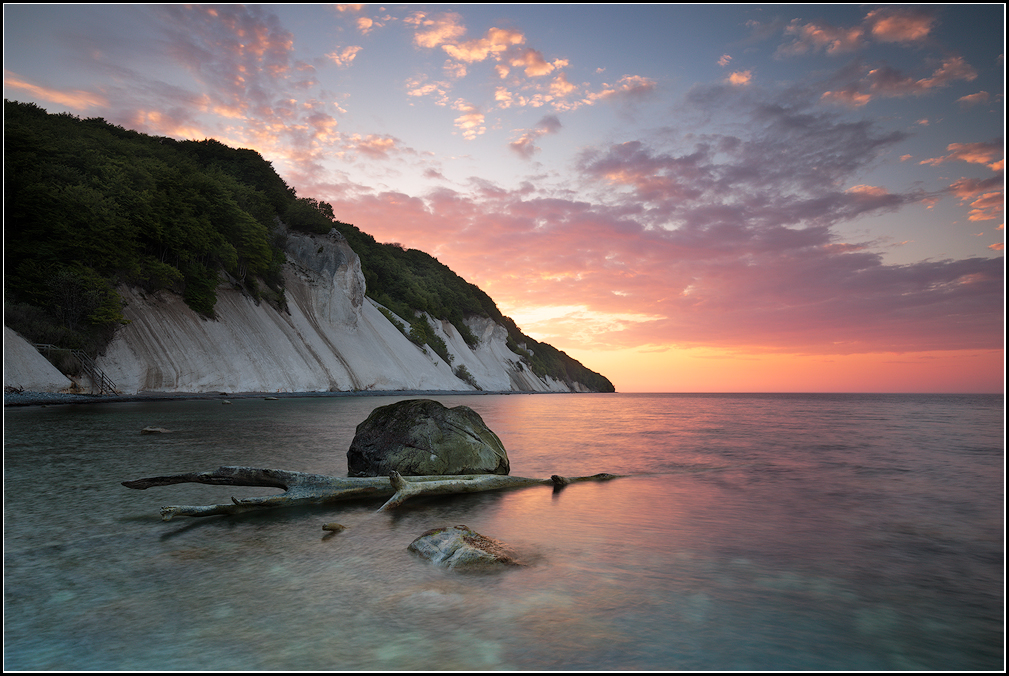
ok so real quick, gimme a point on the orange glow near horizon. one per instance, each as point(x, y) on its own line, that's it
point(738, 228)
point(712, 370)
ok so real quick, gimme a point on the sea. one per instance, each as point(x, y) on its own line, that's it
point(747, 532)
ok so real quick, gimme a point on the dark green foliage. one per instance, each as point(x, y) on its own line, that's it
point(463, 374)
point(546, 360)
point(37, 325)
point(89, 205)
point(422, 333)
point(392, 319)
point(267, 193)
point(120, 206)
point(407, 281)
point(200, 293)
point(79, 295)
point(309, 215)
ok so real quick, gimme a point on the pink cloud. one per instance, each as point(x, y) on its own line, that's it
point(973, 99)
point(727, 240)
point(168, 123)
point(343, 57)
point(454, 69)
point(891, 24)
point(970, 187)
point(534, 64)
point(446, 31)
point(373, 145)
point(868, 191)
point(740, 78)
point(899, 24)
point(986, 153)
point(889, 82)
point(525, 145)
point(712, 286)
point(494, 44)
point(729, 244)
point(813, 36)
point(629, 87)
point(431, 33)
point(420, 87)
point(247, 89)
point(506, 48)
point(849, 96)
point(560, 87)
point(74, 99)
point(987, 207)
point(503, 97)
point(239, 55)
point(471, 122)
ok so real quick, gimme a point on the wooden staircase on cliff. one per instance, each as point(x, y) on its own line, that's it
point(99, 380)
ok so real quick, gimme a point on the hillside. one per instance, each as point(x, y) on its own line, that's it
point(97, 215)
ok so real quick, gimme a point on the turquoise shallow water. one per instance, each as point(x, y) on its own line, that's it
point(757, 532)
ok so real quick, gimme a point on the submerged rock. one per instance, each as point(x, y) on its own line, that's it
point(420, 437)
point(459, 547)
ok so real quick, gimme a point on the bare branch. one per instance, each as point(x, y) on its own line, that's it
point(463, 484)
point(302, 489)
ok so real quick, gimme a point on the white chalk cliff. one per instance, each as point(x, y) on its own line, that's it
point(333, 338)
point(26, 369)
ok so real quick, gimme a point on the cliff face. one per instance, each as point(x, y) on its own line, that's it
point(26, 369)
point(332, 339)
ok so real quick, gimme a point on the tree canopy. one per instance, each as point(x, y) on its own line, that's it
point(90, 205)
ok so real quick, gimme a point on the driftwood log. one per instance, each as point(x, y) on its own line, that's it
point(302, 489)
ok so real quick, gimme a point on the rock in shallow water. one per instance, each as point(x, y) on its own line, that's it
point(459, 547)
point(154, 430)
point(418, 437)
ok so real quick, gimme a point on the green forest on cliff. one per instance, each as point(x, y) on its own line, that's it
point(90, 206)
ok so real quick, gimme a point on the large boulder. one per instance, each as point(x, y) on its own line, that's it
point(460, 547)
point(420, 437)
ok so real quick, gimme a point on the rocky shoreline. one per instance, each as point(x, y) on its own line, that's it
point(25, 398)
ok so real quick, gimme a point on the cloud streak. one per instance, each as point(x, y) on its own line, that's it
point(74, 99)
point(888, 25)
point(768, 288)
point(728, 223)
point(525, 145)
point(989, 153)
point(529, 78)
point(730, 243)
point(889, 82)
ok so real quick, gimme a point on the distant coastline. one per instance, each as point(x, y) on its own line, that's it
point(16, 399)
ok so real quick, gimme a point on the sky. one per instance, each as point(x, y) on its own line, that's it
point(685, 198)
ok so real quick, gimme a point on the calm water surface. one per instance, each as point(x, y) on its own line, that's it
point(759, 532)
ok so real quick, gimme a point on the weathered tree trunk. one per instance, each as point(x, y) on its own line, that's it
point(445, 485)
point(301, 488)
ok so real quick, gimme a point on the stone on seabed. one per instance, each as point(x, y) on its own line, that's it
point(459, 547)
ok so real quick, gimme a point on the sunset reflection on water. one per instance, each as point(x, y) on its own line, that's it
point(749, 532)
